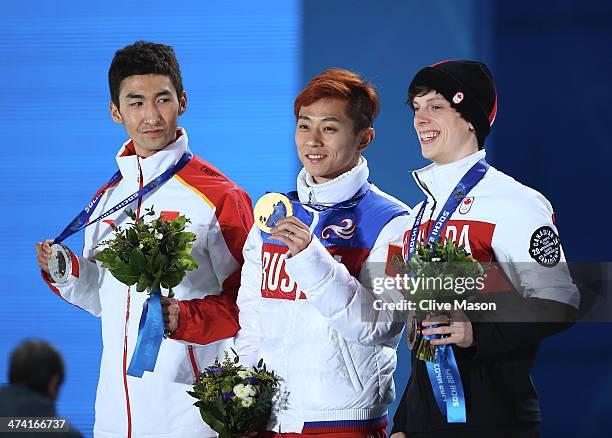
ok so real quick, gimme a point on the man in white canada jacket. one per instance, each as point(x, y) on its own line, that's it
point(147, 98)
point(498, 220)
point(306, 300)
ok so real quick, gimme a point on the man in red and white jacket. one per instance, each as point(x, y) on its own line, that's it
point(147, 98)
point(500, 220)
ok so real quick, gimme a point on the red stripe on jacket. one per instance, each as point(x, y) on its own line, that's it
point(215, 317)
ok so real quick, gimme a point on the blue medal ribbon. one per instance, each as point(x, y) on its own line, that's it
point(446, 382)
point(443, 372)
point(82, 219)
point(349, 203)
point(461, 190)
point(150, 334)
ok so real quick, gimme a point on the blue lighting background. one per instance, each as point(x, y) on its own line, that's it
point(241, 69)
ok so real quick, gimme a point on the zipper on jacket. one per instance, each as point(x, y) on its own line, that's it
point(125, 385)
point(284, 396)
point(421, 371)
point(290, 336)
point(127, 321)
point(194, 364)
point(433, 207)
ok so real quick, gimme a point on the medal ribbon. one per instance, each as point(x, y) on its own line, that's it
point(82, 219)
point(151, 327)
point(446, 383)
point(443, 372)
point(150, 333)
point(461, 190)
point(349, 203)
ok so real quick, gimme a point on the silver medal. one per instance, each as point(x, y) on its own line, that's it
point(60, 263)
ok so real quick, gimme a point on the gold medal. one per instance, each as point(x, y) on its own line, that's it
point(270, 208)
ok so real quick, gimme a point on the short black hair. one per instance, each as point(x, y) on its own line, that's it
point(143, 58)
point(33, 363)
point(417, 91)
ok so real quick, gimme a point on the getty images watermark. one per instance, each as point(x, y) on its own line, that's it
point(430, 294)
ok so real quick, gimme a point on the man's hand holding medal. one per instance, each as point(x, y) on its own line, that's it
point(274, 215)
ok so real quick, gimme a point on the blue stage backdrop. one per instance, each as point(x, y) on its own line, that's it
point(241, 65)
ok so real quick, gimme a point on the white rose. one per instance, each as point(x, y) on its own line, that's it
point(247, 402)
point(240, 391)
point(244, 374)
point(251, 391)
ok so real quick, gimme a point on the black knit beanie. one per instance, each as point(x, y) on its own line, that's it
point(468, 86)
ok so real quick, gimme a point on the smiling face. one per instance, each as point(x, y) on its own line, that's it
point(149, 111)
point(444, 135)
point(327, 143)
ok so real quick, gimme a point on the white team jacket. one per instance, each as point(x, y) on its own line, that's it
point(334, 362)
point(158, 404)
point(501, 221)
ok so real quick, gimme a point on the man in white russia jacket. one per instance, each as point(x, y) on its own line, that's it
point(306, 297)
point(147, 98)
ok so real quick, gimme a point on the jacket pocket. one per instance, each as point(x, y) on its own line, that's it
point(350, 365)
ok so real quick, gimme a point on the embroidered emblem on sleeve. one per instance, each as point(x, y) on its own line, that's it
point(545, 247)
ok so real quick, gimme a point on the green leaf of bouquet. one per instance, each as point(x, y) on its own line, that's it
point(144, 281)
point(150, 262)
point(125, 275)
point(187, 237)
point(193, 265)
point(213, 415)
point(138, 262)
point(144, 235)
point(156, 282)
point(186, 263)
point(185, 250)
point(216, 423)
point(173, 279)
point(132, 237)
point(160, 262)
point(131, 214)
point(105, 256)
point(178, 224)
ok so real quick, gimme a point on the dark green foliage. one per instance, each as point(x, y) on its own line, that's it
point(150, 254)
point(440, 269)
point(226, 415)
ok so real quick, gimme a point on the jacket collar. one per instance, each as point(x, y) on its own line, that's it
point(439, 180)
point(341, 188)
point(154, 165)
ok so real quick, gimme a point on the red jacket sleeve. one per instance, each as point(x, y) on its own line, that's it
point(215, 317)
